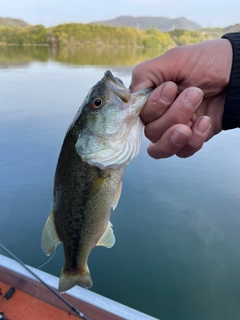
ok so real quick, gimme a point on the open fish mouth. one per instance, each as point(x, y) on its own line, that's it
point(117, 86)
point(109, 74)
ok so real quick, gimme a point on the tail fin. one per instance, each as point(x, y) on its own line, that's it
point(69, 280)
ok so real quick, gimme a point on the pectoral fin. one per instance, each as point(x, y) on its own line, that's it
point(107, 239)
point(50, 238)
point(117, 195)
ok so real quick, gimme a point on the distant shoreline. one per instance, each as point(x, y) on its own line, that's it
point(90, 35)
point(24, 45)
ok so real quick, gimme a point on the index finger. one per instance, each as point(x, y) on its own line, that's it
point(145, 75)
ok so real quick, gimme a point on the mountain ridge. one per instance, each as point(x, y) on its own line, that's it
point(145, 22)
point(12, 22)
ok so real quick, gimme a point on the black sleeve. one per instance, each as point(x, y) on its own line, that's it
point(231, 115)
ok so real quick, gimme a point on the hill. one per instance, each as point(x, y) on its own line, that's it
point(160, 23)
point(12, 23)
point(234, 28)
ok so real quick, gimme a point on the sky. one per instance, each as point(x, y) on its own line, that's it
point(210, 13)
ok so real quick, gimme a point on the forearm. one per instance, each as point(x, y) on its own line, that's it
point(231, 115)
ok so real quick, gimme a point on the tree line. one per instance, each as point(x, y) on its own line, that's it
point(78, 34)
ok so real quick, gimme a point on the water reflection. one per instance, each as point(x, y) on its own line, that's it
point(177, 222)
point(22, 56)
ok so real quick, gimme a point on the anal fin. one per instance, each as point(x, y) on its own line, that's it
point(107, 239)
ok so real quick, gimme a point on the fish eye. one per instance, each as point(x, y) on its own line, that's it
point(96, 103)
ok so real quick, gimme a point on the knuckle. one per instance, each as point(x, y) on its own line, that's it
point(157, 152)
point(177, 117)
point(190, 148)
point(186, 152)
point(196, 142)
point(154, 154)
point(137, 70)
point(151, 134)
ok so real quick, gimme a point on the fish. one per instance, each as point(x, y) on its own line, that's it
point(102, 139)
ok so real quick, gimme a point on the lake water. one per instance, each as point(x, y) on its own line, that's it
point(177, 225)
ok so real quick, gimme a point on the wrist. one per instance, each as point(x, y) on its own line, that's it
point(231, 115)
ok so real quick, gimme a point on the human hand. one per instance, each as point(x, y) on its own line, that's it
point(185, 109)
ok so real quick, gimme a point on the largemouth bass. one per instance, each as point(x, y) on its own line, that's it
point(103, 138)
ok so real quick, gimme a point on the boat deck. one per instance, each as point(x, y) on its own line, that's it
point(24, 306)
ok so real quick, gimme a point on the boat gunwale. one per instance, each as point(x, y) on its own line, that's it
point(93, 305)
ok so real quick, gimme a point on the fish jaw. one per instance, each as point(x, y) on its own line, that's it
point(138, 100)
point(116, 86)
point(112, 137)
point(134, 101)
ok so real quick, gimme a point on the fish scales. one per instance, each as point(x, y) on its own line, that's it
point(88, 177)
point(82, 189)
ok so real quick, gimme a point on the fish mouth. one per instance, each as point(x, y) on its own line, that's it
point(109, 74)
point(116, 85)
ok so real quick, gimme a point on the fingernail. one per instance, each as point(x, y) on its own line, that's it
point(168, 93)
point(179, 137)
point(202, 125)
point(193, 98)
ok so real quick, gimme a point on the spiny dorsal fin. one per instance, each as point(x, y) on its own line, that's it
point(50, 238)
point(107, 239)
point(117, 195)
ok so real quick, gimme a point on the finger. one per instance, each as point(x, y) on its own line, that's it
point(145, 75)
point(171, 142)
point(180, 112)
point(170, 66)
point(159, 101)
point(200, 134)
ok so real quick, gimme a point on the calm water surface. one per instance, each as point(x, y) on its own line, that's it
point(177, 224)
